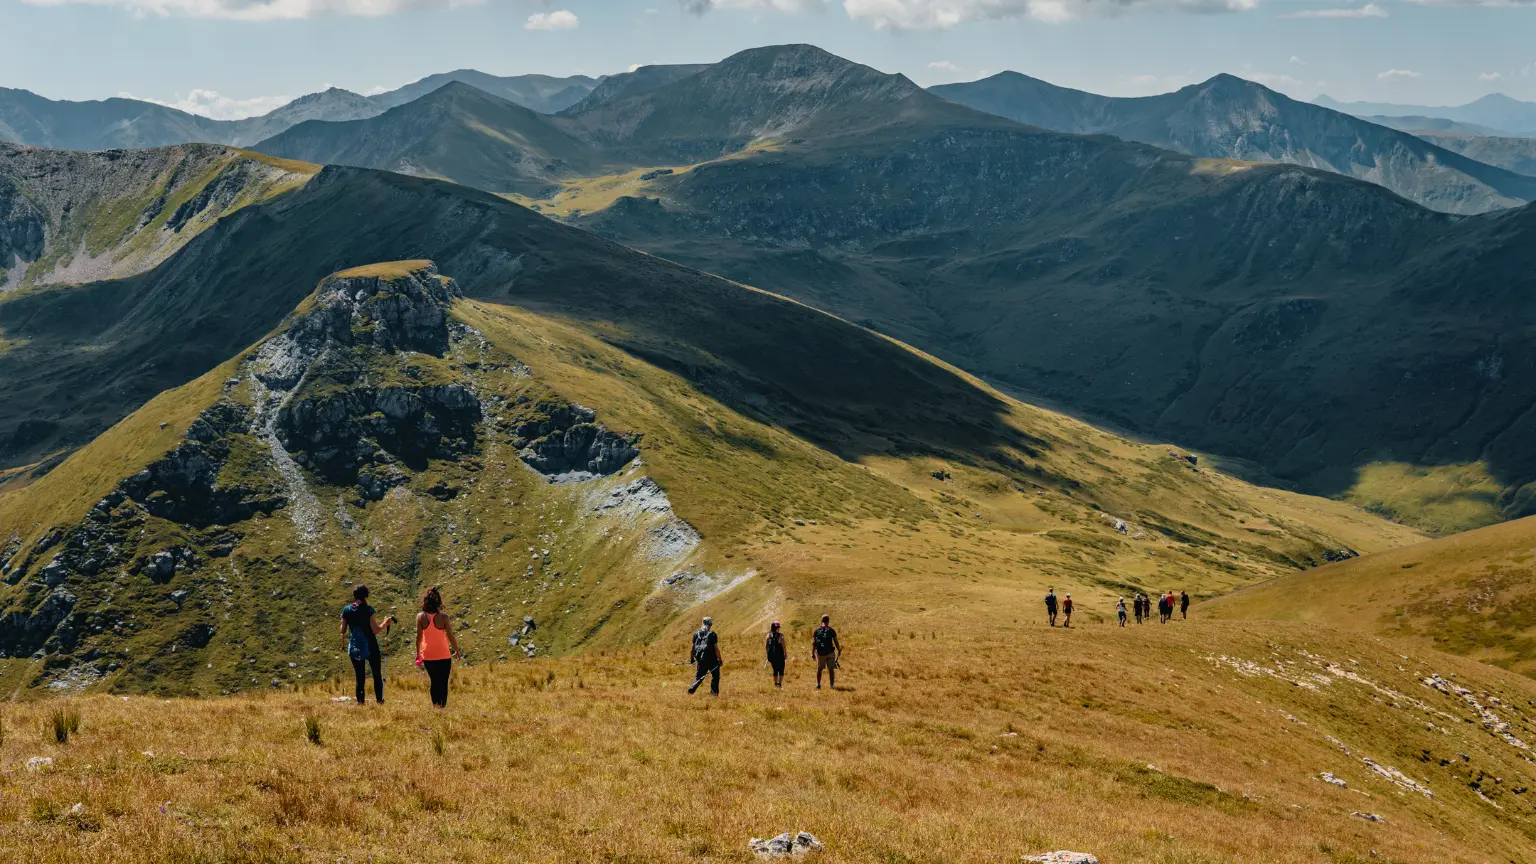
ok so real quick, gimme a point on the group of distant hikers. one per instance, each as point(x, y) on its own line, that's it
point(707, 661)
point(1166, 605)
point(436, 646)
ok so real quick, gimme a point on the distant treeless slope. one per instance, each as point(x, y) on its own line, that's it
point(1472, 594)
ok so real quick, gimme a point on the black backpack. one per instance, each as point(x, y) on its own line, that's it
point(701, 645)
point(822, 640)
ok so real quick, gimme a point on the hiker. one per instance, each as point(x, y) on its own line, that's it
point(776, 653)
point(705, 657)
point(1120, 610)
point(1050, 605)
point(1066, 608)
point(828, 651)
point(1162, 608)
point(1167, 607)
point(1136, 603)
point(1183, 605)
point(362, 633)
point(436, 646)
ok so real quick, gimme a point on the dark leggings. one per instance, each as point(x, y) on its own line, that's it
point(360, 669)
point(438, 671)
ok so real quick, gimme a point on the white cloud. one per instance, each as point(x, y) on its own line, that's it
point(943, 66)
point(1490, 76)
point(264, 10)
point(212, 104)
point(634, 66)
point(1369, 10)
point(377, 89)
point(1398, 75)
point(1297, 61)
point(560, 19)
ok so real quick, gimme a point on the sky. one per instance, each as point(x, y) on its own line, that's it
point(233, 58)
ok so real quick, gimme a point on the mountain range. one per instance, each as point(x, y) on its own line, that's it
point(1495, 111)
point(1229, 118)
point(29, 119)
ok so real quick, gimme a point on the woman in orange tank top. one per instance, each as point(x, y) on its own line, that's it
point(435, 644)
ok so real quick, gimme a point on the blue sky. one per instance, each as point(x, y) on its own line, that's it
point(233, 57)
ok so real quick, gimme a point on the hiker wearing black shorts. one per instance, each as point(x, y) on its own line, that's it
point(776, 653)
point(828, 651)
point(1050, 605)
point(1183, 605)
point(1066, 607)
point(705, 657)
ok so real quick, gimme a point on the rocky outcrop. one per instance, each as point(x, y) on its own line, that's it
point(566, 441)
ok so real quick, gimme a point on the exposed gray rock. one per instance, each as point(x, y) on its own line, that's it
point(22, 633)
point(1063, 857)
point(786, 845)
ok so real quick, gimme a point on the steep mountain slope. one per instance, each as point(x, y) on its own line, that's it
point(1310, 324)
point(26, 118)
point(759, 94)
point(1229, 118)
point(1471, 594)
point(83, 217)
point(542, 93)
point(456, 132)
point(626, 84)
point(1496, 111)
point(1515, 154)
point(355, 441)
point(1193, 742)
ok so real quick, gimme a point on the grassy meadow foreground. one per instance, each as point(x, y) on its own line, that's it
point(1191, 742)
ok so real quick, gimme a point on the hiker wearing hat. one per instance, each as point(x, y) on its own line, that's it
point(776, 653)
point(706, 657)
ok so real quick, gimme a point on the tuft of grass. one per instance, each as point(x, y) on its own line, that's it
point(312, 729)
point(439, 741)
point(64, 721)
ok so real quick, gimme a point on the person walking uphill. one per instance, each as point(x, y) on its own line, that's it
point(1050, 605)
point(436, 646)
point(1120, 611)
point(776, 653)
point(828, 651)
point(1066, 608)
point(362, 634)
point(1183, 605)
point(705, 657)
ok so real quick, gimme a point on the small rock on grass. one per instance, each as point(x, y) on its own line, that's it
point(1063, 857)
point(786, 845)
point(1369, 817)
point(39, 763)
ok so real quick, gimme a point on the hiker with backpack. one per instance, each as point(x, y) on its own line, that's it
point(1140, 606)
point(1120, 611)
point(1050, 605)
point(362, 632)
point(1183, 606)
point(776, 653)
point(705, 657)
point(828, 651)
point(1066, 608)
point(1162, 608)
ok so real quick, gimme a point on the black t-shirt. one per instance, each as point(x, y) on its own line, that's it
point(361, 641)
point(706, 647)
point(775, 646)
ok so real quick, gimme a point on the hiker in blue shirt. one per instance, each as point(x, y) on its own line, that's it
point(362, 634)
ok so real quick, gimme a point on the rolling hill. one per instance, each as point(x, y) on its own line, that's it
point(706, 438)
point(1229, 118)
point(1495, 111)
point(1515, 154)
point(625, 84)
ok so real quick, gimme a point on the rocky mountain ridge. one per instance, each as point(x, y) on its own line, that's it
point(1229, 118)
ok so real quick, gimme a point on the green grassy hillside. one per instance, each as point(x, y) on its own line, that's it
point(1469, 594)
point(200, 545)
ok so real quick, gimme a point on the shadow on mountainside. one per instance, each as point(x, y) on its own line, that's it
point(87, 355)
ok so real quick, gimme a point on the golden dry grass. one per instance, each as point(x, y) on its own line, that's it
point(947, 744)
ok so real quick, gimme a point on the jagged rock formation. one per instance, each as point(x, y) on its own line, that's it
point(564, 441)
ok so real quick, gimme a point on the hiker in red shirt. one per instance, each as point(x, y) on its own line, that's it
point(1066, 607)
